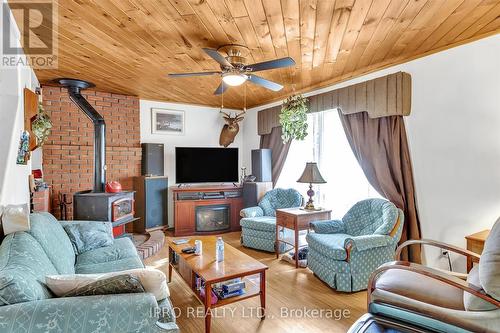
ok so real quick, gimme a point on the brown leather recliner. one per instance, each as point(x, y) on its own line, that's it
point(434, 299)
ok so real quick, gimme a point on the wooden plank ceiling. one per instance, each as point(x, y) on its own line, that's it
point(128, 46)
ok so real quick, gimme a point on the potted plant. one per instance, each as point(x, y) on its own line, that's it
point(41, 126)
point(293, 118)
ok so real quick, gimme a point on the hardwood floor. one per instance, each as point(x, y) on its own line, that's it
point(290, 292)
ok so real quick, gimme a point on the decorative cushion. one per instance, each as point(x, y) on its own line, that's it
point(471, 302)
point(23, 266)
point(54, 241)
point(153, 280)
point(329, 245)
point(89, 235)
point(15, 218)
point(120, 284)
point(121, 248)
point(264, 223)
point(279, 198)
point(489, 265)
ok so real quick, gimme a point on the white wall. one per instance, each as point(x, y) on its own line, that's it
point(250, 138)
point(13, 177)
point(454, 138)
point(202, 129)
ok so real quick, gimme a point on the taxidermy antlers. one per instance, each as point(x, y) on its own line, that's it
point(231, 128)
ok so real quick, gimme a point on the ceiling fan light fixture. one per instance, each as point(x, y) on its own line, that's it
point(234, 79)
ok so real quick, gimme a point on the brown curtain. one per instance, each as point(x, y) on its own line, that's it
point(381, 148)
point(279, 150)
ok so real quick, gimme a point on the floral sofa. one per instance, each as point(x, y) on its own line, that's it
point(27, 305)
point(258, 224)
point(344, 253)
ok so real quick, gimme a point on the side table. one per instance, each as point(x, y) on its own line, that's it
point(296, 219)
point(475, 243)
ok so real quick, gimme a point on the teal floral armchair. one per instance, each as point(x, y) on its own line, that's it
point(258, 224)
point(344, 253)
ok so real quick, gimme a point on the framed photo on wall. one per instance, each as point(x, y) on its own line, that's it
point(165, 121)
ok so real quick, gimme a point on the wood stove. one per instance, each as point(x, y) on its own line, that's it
point(117, 208)
point(95, 204)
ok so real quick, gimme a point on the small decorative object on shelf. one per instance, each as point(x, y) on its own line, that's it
point(23, 154)
point(311, 175)
point(219, 250)
point(293, 118)
point(243, 175)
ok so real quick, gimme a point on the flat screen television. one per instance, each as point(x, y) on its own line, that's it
point(206, 165)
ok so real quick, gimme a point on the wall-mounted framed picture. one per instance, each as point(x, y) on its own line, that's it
point(165, 121)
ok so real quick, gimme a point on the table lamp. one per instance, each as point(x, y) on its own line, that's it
point(311, 175)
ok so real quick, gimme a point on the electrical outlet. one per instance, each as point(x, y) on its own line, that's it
point(444, 253)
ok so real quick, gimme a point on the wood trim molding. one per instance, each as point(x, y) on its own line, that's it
point(388, 95)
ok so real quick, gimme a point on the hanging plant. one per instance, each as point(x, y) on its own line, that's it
point(293, 118)
point(41, 126)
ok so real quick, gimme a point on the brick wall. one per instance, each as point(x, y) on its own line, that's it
point(68, 153)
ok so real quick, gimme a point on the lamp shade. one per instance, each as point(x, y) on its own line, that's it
point(311, 174)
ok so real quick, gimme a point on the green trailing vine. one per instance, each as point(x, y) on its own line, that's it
point(41, 126)
point(293, 118)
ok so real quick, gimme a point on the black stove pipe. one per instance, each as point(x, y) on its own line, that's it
point(74, 87)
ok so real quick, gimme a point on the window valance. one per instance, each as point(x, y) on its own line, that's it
point(389, 95)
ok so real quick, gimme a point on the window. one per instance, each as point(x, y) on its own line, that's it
point(327, 145)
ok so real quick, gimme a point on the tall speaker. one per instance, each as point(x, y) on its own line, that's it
point(261, 165)
point(152, 159)
point(150, 203)
point(254, 191)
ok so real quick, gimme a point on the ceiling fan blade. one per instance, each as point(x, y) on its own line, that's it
point(265, 83)
point(221, 89)
point(271, 64)
point(193, 74)
point(217, 57)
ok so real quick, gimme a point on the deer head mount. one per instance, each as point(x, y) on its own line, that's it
point(231, 128)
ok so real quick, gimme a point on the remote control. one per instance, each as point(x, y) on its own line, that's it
point(188, 250)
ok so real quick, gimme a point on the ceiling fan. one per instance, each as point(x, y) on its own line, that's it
point(235, 71)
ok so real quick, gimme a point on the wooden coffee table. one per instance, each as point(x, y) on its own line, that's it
point(236, 264)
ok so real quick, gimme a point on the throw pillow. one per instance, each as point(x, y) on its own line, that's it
point(153, 280)
point(15, 218)
point(119, 284)
point(88, 236)
point(489, 265)
point(471, 302)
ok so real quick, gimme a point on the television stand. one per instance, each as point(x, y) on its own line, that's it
point(222, 203)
